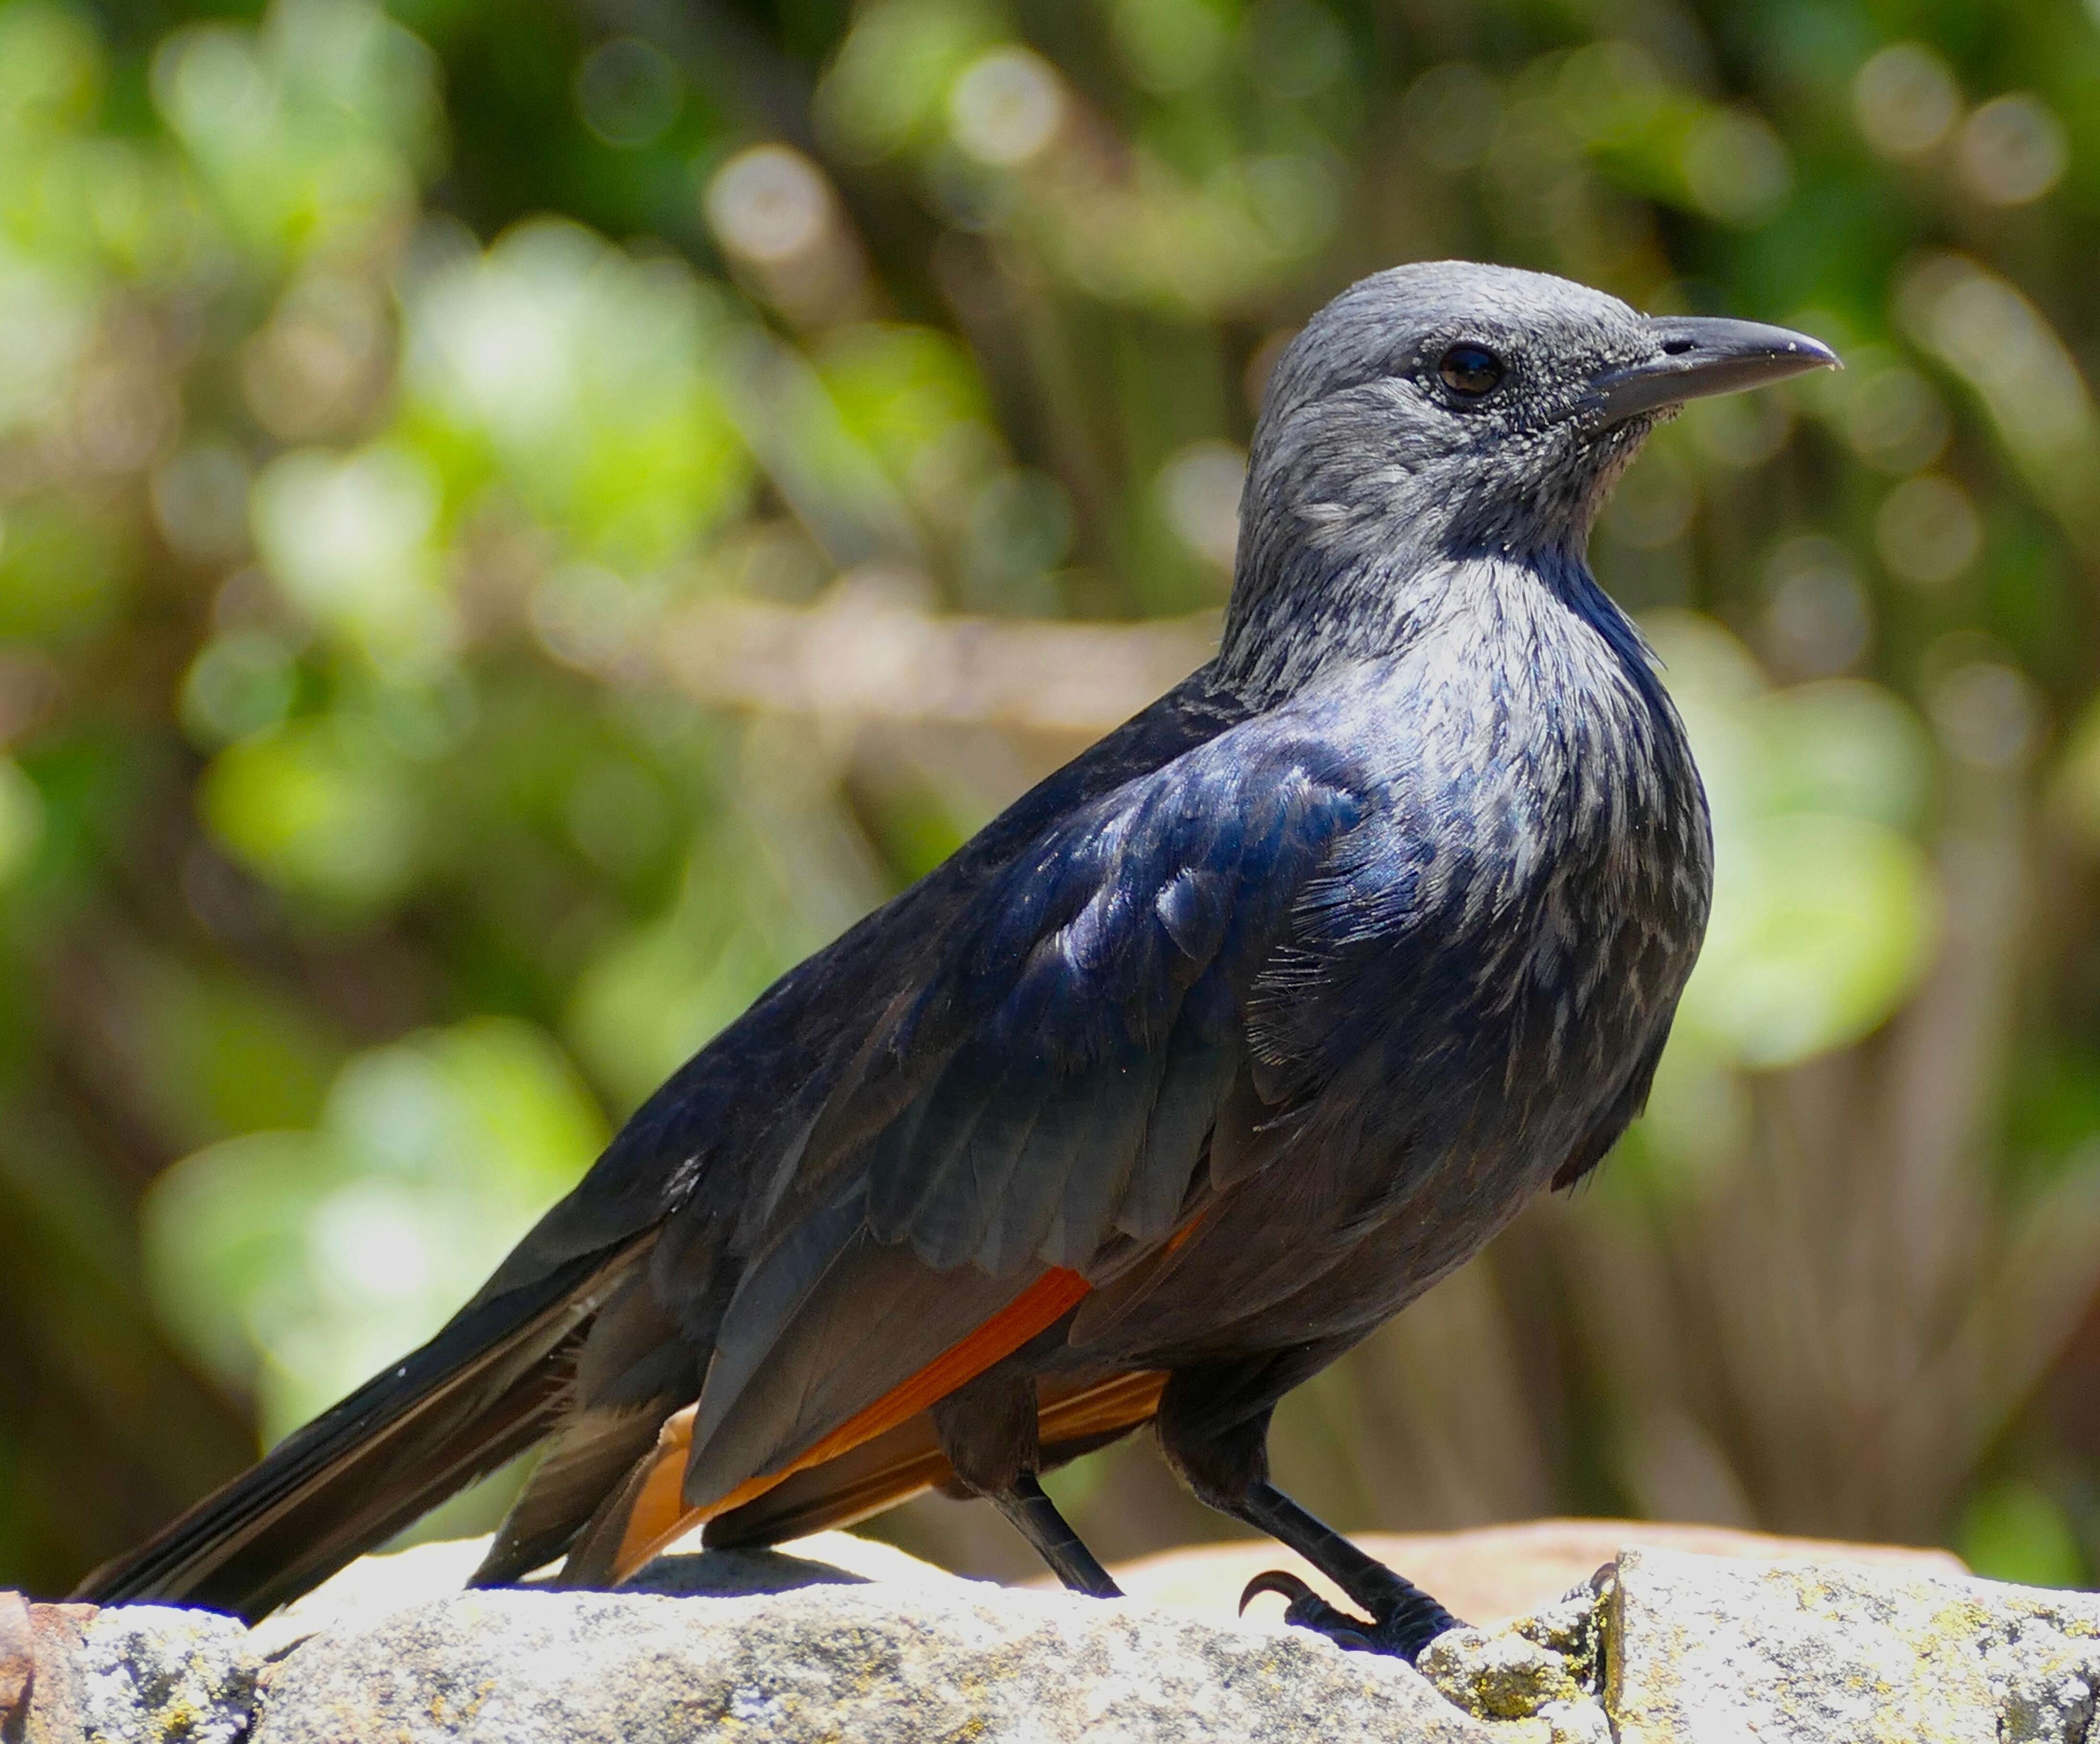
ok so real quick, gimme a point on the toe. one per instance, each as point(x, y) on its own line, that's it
point(1306, 1609)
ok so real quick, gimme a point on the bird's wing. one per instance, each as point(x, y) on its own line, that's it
point(1033, 1116)
point(1087, 1018)
point(737, 1143)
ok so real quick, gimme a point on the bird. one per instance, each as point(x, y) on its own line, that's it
point(1187, 1072)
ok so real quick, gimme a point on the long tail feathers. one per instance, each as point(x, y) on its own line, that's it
point(483, 1389)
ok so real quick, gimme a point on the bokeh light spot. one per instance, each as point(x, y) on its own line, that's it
point(1736, 167)
point(1905, 100)
point(1199, 493)
point(240, 683)
point(2012, 150)
point(1927, 530)
point(1987, 715)
point(200, 498)
point(1008, 106)
point(1896, 421)
point(629, 92)
point(1816, 614)
point(770, 204)
point(1451, 113)
point(1169, 45)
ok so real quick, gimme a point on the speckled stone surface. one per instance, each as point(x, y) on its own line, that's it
point(1716, 1654)
point(154, 1675)
point(837, 1638)
point(829, 1662)
point(143, 1674)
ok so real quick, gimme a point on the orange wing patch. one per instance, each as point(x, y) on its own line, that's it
point(657, 1514)
point(890, 1468)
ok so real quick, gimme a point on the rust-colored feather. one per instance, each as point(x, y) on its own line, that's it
point(648, 1511)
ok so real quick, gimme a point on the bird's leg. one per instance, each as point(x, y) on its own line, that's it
point(1226, 1464)
point(1035, 1517)
point(988, 1430)
point(1404, 1619)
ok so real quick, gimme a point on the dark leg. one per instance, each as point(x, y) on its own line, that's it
point(1405, 1619)
point(1225, 1459)
point(988, 1431)
point(1036, 1518)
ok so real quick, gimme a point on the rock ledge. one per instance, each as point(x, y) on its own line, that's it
point(841, 1638)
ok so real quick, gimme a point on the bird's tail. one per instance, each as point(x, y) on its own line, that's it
point(483, 1389)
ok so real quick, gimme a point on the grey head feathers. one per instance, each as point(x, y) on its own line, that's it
point(1445, 412)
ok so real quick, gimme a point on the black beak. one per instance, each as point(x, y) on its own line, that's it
point(1698, 354)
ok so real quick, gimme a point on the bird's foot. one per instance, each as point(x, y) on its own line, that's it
point(1403, 1626)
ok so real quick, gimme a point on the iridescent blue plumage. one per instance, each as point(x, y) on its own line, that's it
point(1259, 1017)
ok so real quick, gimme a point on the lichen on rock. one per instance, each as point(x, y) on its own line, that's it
point(1538, 1675)
point(1837, 1653)
point(151, 1674)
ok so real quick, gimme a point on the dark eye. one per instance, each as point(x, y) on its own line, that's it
point(1471, 370)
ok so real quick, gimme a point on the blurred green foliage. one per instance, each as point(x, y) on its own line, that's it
point(302, 1261)
point(393, 403)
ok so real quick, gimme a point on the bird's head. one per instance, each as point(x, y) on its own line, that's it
point(1445, 409)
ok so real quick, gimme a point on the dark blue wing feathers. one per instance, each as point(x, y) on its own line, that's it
point(1093, 992)
point(1078, 1205)
point(1203, 1056)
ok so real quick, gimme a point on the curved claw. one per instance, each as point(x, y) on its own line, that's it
point(1306, 1608)
point(1280, 1582)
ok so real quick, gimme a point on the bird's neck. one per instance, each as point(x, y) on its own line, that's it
point(1300, 611)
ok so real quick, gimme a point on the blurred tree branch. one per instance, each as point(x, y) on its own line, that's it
point(866, 652)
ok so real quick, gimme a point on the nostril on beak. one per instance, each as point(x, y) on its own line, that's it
point(1698, 354)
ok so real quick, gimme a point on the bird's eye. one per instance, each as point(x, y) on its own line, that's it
point(1470, 370)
